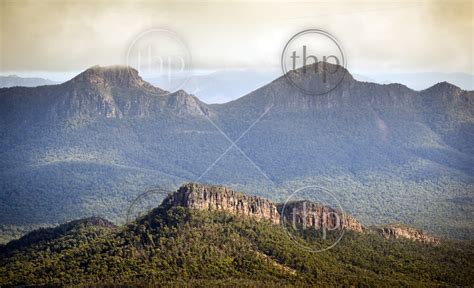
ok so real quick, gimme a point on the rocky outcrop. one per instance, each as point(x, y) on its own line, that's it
point(220, 198)
point(113, 76)
point(306, 214)
point(314, 215)
point(186, 104)
point(405, 232)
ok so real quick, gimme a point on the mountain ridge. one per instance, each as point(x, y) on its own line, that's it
point(9, 81)
point(218, 198)
point(388, 152)
point(310, 214)
point(131, 77)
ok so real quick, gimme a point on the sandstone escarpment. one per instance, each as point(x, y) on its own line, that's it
point(400, 231)
point(305, 214)
point(314, 215)
point(209, 197)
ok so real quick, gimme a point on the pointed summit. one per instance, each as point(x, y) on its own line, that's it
point(443, 87)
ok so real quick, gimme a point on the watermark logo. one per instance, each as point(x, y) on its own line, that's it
point(142, 206)
point(313, 61)
point(161, 57)
point(313, 213)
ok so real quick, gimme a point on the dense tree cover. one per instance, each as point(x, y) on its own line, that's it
point(182, 247)
point(387, 152)
point(69, 176)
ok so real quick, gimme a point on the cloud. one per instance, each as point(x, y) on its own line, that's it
point(388, 36)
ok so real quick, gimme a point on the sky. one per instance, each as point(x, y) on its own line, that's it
point(382, 36)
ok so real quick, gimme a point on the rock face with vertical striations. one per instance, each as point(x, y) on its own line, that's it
point(306, 214)
point(397, 231)
point(314, 215)
point(210, 197)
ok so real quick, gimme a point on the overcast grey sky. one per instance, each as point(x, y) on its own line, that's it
point(385, 36)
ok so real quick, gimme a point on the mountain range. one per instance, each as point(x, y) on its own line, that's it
point(422, 80)
point(205, 235)
point(14, 80)
point(91, 145)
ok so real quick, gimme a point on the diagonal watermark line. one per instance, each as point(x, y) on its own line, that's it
point(214, 163)
point(233, 144)
point(255, 122)
point(245, 132)
point(256, 166)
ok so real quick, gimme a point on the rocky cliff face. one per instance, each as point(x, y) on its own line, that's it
point(97, 93)
point(314, 215)
point(400, 231)
point(300, 213)
point(118, 91)
point(220, 198)
point(113, 76)
point(305, 213)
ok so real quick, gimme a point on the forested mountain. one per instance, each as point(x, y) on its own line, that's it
point(89, 146)
point(187, 241)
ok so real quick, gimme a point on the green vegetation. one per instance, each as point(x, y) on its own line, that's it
point(388, 153)
point(70, 175)
point(183, 247)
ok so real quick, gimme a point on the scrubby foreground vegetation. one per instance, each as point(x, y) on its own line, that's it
point(179, 246)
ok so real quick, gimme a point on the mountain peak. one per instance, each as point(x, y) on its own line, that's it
point(443, 86)
point(113, 76)
point(325, 71)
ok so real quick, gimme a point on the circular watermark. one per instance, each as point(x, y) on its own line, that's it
point(311, 210)
point(313, 61)
point(162, 57)
point(144, 203)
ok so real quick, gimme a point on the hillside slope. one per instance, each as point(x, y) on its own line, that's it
point(175, 245)
point(91, 145)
